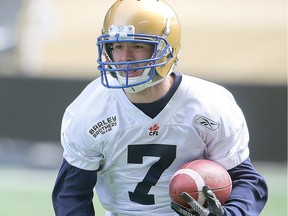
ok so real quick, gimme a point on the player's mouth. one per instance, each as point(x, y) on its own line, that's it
point(132, 73)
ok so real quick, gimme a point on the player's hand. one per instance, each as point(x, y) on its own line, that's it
point(214, 206)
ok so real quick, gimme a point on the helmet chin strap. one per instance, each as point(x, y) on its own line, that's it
point(141, 87)
point(134, 80)
point(143, 77)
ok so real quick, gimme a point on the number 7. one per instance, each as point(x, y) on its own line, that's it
point(167, 154)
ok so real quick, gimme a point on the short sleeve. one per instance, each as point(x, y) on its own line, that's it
point(230, 146)
point(232, 150)
point(79, 151)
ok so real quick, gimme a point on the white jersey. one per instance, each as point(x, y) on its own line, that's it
point(136, 156)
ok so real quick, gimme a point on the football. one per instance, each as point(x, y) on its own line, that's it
point(192, 176)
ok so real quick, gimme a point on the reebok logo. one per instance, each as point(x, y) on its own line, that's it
point(206, 122)
point(103, 126)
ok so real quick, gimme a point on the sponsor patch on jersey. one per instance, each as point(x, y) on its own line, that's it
point(206, 122)
point(103, 126)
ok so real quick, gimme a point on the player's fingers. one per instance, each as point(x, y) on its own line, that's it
point(195, 205)
point(206, 189)
point(213, 203)
point(186, 197)
point(209, 193)
point(182, 210)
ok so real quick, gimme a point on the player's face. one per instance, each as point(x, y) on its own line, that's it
point(125, 52)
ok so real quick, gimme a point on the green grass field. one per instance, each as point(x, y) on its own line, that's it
point(27, 192)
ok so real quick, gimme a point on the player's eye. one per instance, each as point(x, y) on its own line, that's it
point(117, 46)
point(138, 46)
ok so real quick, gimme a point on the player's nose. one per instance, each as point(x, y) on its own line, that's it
point(126, 54)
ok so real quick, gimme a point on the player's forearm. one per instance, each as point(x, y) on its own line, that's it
point(73, 191)
point(249, 193)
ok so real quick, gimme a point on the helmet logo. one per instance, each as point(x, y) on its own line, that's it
point(121, 31)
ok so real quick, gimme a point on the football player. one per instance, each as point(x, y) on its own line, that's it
point(132, 128)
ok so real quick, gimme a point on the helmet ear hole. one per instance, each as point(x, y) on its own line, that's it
point(109, 51)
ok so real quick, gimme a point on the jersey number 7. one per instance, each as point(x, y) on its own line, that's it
point(166, 154)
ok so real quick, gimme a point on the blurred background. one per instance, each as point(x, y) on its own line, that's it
point(48, 55)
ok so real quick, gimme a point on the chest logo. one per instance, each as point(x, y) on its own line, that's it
point(103, 126)
point(153, 130)
point(208, 123)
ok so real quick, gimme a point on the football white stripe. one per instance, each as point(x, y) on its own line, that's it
point(198, 180)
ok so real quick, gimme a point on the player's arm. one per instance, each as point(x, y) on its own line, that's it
point(249, 192)
point(73, 191)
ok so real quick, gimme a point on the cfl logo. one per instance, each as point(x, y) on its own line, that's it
point(154, 130)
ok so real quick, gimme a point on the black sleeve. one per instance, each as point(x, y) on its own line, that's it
point(73, 191)
point(249, 191)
